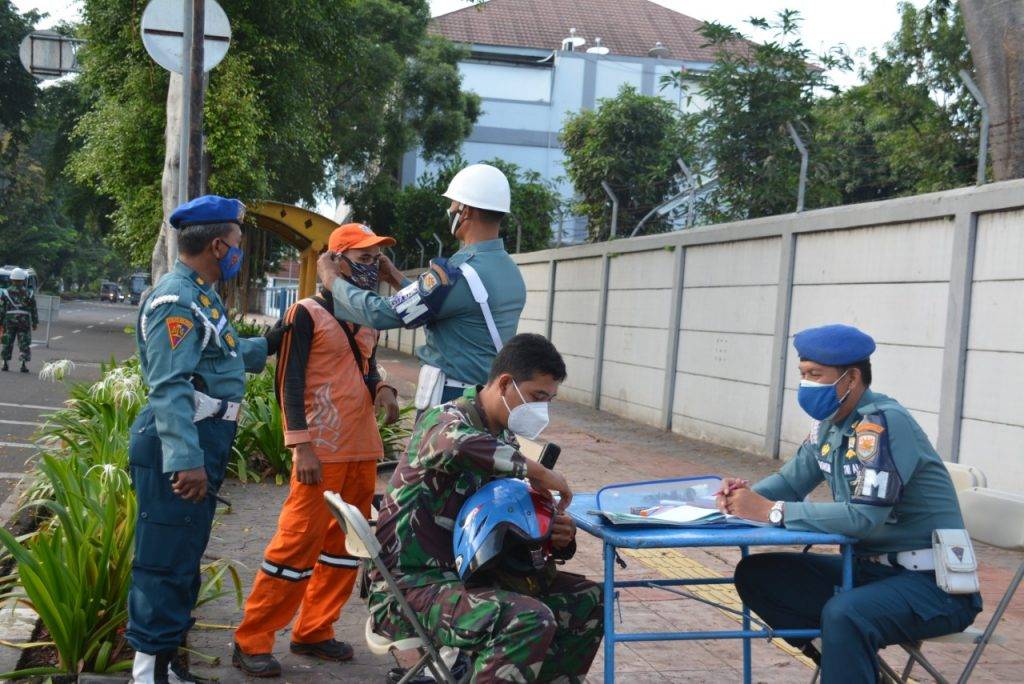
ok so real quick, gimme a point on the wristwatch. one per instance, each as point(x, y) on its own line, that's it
point(775, 515)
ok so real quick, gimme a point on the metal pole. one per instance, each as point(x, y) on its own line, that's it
point(615, 207)
point(519, 237)
point(49, 317)
point(196, 83)
point(439, 245)
point(423, 250)
point(983, 134)
point(803, 165)
point(692, 182)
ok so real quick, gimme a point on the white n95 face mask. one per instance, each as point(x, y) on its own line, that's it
point(529, 418)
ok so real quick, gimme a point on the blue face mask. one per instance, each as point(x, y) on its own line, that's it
point(231, 263)
point(820, 401)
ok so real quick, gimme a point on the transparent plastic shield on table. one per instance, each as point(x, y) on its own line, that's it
point(631, 497)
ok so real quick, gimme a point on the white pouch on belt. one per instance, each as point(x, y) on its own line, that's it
point(429, 388)
point(956, 567)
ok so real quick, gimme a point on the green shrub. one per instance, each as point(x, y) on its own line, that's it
point(259, 449)
point(396, 436)
point(75, 572)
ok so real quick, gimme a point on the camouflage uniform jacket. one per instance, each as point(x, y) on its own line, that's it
point(451, 454)
point(18, 299)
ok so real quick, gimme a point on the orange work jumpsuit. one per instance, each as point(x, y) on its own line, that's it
point(325, 402)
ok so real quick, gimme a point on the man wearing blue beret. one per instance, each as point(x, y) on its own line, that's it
point(194, 364)
point(889, 489)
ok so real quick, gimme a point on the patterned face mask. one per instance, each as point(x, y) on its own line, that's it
point(364, 276)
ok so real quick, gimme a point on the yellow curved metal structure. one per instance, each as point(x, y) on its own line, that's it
point(305, 230)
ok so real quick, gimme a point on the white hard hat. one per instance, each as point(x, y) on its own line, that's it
point(481, 186)
point(19, 274)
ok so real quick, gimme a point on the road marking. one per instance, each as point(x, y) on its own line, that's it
point(18, 445)
point(21, 422)
point(58, 337)
point(89, 326)
point(75, 331)
point(12, 476)
point(32, 406)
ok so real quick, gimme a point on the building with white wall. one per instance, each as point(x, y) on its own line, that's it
point(529, 79)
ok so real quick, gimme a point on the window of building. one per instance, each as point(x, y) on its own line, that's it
point(507, 81)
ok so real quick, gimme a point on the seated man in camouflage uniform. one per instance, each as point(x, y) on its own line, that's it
point(548, 635)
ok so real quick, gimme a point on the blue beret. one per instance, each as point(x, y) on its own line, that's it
point(834, 345)
point(208, 209)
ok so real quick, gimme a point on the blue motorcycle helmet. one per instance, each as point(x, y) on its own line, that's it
point(505, 525)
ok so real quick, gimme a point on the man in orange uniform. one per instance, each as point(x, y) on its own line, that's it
point(329, 390)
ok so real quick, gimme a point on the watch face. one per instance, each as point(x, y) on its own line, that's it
point(775, 516)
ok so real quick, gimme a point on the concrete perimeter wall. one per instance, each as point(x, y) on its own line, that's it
point(692, 331)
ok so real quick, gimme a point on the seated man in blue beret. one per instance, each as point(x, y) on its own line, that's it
point(890, 490)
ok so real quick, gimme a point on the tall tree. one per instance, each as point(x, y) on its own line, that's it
point(310, 89)
point(995, 29)
point(754, 91)
point(911, 126)
point(17, 87)
point(631, 142)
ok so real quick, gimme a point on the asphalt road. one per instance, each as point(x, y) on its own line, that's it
point(87, 333)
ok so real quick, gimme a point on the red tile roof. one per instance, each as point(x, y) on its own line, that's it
point(626, 27)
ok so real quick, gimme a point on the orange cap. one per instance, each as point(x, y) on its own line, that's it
point(356, 236)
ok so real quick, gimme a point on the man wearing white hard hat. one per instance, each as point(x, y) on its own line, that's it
point(469, 303)
point(18, 318)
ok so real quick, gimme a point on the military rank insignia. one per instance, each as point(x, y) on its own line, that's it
point(825, 449)
point(178, 329)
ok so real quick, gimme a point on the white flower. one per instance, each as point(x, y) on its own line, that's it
point(56, 371)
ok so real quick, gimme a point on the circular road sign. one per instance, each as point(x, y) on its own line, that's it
point(162, 34)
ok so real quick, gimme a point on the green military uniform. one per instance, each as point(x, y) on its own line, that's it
point(186, 343)
point(551, 636)
point(18, 316)
point(889, 490)
point(457, 339)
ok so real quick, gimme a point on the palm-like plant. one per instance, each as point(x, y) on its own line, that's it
point(75, 573)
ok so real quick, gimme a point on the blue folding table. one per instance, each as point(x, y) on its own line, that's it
point(623, 537)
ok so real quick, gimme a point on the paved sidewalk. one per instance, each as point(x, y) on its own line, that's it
point(598, 449)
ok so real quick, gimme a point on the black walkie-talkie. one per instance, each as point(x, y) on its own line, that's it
point(549, 455)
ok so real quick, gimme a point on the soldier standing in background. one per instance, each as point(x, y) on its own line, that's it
point(20, 317)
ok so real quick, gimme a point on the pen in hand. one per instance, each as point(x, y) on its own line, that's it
point(728, 488)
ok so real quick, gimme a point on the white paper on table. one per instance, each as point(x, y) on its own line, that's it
point(685, 514)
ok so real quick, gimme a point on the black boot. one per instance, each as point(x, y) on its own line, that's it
point(162, 669)
point(180, 674)
point(324, 650)
point(24, 367)
point(257, 665)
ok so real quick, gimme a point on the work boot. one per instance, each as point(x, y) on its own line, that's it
point(151, 669)
point(459, 671)
point(179, 672)
point(6, 367)
point(324, 650)
point(24, 367)
point(256, 665)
